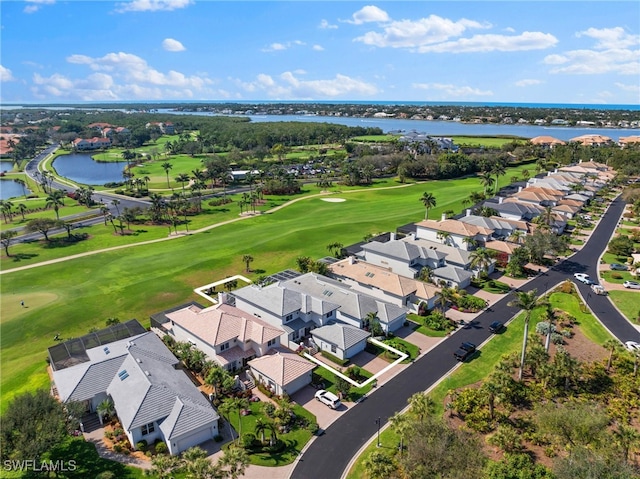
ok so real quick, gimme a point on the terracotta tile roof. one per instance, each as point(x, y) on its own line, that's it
point(282, 367)
point(218, 324)
point(502, 246)
point(592, 139)
point(378, 277)
point(546, 140)
point(454, 227)
point(544, 190)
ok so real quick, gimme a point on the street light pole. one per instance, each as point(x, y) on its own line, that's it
point(378, 423)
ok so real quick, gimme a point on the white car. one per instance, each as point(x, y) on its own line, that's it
point(328, 398)
point(632, 346)
point(631, 285)
point(583, 278)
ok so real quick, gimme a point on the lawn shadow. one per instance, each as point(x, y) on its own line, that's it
point(23, 256)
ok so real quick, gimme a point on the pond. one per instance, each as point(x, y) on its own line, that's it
point(82, 168)
point(6, 165)
point(11, 189)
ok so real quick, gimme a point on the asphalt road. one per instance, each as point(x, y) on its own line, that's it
point(329, 454)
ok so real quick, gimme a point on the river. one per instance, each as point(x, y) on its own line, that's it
point(443, 128)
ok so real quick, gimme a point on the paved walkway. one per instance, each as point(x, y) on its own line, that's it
point(96, 437)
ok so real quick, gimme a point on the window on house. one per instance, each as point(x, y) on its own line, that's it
point(333, 348)
point(271, 343)
point(329, 314)
point(289, 317)
point(224, 347)
point(148, 428)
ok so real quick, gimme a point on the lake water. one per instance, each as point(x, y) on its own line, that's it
point(443, 128)
point(82, 168)
point(6, 165)
point(11, 189)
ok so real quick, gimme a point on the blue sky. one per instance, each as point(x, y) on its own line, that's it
point(479, 51)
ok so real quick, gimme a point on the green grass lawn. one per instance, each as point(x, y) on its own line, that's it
point(295, 439)
point(405, 346)
point(491, 142)
point(628, 302)
point(325, 376)
point(624, 276)
point(420, 327)
point(482, 364)
point(139, 281)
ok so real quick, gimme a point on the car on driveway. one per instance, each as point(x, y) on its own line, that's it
point(632, 346)
point(496, 327)
point(465, 351)
point(631, 285)
point(328, 398)
point(618, 267)
point(583, 278)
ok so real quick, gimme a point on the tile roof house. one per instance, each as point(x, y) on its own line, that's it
point(91, 143)
point(282, 372)
point(452, 232)
point(341, 340)
point(152, 397)
point(382, 282)
point(226, 334)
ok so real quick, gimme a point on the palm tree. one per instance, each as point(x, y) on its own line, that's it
point(527, 302)
point(429, 201)
point(335, 248)
point(498, 169)
point(182, 178)
point(196, 464)
point(166, 166)
point(400, 424)
point(421, 405)
point(247, 259)
point(613, 346)
point(219, 379)
point(105, 409)
point(55, 200)
point(162, 465)
point(22, 209)
point(116, 203)
point(235, 404)
point(516, 236)
point(234, 462)
point(480, 259)
point(486, 180)
point(444, 236)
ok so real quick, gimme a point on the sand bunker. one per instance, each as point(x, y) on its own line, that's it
point(334, 200)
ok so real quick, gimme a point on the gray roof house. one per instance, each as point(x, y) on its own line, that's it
point(341, 340)
point(152, 398)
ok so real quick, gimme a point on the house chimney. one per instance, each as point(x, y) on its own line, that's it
point(222, 297)
point(548, 173)
point(556, 170)
point(392, 236)
point(443, 217)
point(579, 161)
point(351, 259)
point(519, 189)
point(501, 199)
point(411, 236)
point(468, 212)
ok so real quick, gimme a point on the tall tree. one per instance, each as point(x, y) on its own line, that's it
point(247, 259)
point(486, 180)
point(481, 259)
point(166, 166)
point(55, 200)
point(428, 201)
point(42, 225)
point(6, 238)
point(527, 302)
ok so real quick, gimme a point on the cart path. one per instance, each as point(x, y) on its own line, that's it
point(206, 228)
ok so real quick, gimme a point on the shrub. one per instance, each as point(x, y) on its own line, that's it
point(161, 448)
point(616, 275)
point(331, 357)
point(264, 390)
point(117, 447)
point(141, 445)
point(313, 427)
point(249, 440)
point(269, 409)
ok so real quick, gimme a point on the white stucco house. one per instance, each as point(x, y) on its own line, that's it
point(341, 340)
point(282, 372)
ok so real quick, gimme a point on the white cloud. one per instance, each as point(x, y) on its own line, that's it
point(528, 82)
point(610, 38)
point(121, 76)
point(34, 5)
point(325, 25)
point(289, 86)
point(368, 14)
point(318, 48)
point(275, 47)
point(592, 62)
point(152, 5)
point(417, 33)
point(453, 91)
point(171, 45)
point(633, 88)
point(5, 74)
point(491, 42)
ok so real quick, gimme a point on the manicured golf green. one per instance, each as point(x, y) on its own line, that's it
point(138, 281)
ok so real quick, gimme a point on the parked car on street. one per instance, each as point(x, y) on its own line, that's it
point(618, 267)
point(631, 285)
point(583, 278)
point(496, 327)
point(328, 398)
point(632, 346)
point(465, 351)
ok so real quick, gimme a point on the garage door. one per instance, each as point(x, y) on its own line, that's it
point(194, 439)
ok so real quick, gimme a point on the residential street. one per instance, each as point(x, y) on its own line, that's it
point(329, 455)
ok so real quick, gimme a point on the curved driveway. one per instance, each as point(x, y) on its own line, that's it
point(329, 454)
